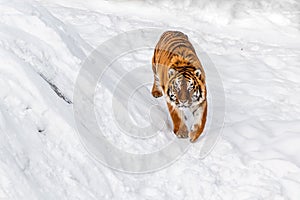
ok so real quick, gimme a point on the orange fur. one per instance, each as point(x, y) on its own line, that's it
point(174, 51)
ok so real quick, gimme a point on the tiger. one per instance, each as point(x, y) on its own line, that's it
point(180, 77)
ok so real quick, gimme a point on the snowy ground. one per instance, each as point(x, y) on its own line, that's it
point(255, 45)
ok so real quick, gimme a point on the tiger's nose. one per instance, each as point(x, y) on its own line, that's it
point(183, 101)
point(183, 98)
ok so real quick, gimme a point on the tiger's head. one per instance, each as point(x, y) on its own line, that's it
point(186, 87)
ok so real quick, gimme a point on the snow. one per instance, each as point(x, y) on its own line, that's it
point(254, 45)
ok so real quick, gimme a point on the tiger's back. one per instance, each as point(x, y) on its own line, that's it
point(174, 50)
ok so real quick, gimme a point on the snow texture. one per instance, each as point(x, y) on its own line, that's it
point(255, 46)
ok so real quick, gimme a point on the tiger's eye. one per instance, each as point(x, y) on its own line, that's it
point(172, 97)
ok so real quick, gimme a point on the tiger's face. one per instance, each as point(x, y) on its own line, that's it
point(185, 88)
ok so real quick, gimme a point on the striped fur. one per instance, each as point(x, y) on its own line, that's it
point(179, 75)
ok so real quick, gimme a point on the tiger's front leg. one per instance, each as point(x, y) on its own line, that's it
point(156, 89)
point(180, 129)
point(200, 114)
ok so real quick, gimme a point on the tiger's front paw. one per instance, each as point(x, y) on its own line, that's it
point(182, 132)
point(194, 135)
point(156, 93)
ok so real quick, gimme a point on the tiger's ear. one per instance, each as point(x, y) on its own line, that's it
point(171, 72)
point(198, 73)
